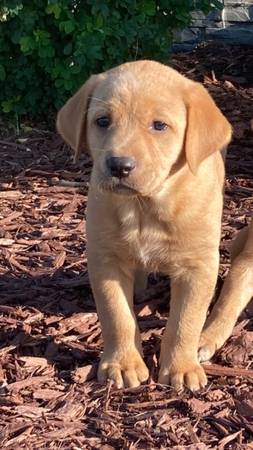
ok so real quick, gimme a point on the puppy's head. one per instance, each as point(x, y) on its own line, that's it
point(137, 121)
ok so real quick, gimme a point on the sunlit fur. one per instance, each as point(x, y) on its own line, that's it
point(236, 293)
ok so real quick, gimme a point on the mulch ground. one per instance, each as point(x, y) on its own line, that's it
point(50, 339)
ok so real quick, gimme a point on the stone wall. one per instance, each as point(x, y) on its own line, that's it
point(233, 25)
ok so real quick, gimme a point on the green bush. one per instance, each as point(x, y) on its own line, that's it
point(49, 47)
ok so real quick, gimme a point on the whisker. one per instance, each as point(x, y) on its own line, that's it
point(139, 204)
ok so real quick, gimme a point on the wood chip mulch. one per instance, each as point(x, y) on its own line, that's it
point(50, 339)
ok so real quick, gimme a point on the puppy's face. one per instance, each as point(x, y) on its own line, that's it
point(135, 131)
point(137, 121)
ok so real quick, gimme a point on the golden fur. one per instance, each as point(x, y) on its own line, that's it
point(165, 216)
point(236, 293)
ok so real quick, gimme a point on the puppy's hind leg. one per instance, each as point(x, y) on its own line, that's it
point(236, 293)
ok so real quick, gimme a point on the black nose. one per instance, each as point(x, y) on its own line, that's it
point(120, 166)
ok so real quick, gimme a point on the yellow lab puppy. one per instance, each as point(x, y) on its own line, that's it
point(154, 204)
point(235, 294)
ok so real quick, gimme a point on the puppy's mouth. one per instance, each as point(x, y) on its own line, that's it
point(117, 186)
point(121, 188)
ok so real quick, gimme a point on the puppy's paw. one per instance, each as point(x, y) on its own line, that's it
point(179, 375)
point(208, 345)
point(125, 369)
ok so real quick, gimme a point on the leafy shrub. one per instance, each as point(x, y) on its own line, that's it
point(49, 47)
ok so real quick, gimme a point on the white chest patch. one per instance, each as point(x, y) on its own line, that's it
point(143, 237)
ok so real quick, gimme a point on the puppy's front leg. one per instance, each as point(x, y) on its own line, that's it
point(112, 287)
point(191, 294)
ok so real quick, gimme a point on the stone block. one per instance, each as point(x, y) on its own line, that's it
point(187, 36)
point(238, 13)
point(213, 15)
point(233, 34)
point(206, 23)
point(238, 3)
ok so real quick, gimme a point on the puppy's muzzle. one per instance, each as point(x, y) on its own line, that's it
point(120, 166)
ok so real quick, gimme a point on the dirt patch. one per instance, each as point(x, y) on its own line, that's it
point(50, 339)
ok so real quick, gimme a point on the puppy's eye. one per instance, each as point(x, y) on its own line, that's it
point(159, 126)
point(103, 122)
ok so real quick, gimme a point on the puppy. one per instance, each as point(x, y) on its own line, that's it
point(235, 294)
point(154, 204)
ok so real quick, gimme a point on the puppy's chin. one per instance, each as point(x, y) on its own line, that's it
point(124, 187)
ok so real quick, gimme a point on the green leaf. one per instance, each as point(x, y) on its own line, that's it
point(54, 9)
point(99, 21)
point(41, 36)
point(68, 84)
point(149, 7)
point(7, 106)
point(26, 44)
point(68, 26)
point(57, 69)
point(59, 82)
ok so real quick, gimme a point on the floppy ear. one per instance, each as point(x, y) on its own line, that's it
point(71, 118)
point(208, 131)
